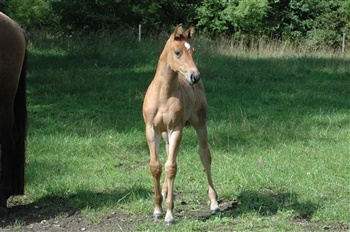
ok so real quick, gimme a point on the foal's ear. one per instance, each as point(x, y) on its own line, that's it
point(189, 32)
point(178, 31)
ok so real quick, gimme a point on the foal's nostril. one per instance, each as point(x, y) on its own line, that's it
point(195, 77)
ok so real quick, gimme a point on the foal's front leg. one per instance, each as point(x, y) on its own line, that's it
point(165, 184)
point(153, 141)
point(171, 170)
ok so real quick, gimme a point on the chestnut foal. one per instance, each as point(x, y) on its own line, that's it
point(175, 96)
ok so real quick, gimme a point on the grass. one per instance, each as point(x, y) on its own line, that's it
point(278, 130)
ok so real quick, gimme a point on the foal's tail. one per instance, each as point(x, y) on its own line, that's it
point(20, 109)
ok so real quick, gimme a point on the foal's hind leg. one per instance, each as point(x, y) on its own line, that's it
point(205, 156)
point(8, 151)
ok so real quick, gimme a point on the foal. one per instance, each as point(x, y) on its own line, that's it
point(175, 96)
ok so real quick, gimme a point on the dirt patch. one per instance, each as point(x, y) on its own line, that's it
point(27, 216)
point(30, 217)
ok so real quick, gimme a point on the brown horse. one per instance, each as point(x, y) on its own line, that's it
point(174, 97)
point(12, 110)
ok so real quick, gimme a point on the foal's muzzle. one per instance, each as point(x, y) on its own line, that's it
point(195, 77)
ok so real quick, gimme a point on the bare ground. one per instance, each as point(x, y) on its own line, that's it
point(30, 217)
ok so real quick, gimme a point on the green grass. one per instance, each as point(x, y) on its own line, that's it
point(279, 132)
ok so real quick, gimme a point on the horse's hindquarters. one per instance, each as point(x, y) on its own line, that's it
point(12, 109)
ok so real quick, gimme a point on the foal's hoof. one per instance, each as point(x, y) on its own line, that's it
point(215, 210)
point(4, 212)
point(169, 221)
point(157, 216)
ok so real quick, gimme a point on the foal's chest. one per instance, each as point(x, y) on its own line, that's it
point(175, 111)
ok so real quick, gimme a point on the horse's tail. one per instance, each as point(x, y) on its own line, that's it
point(20, 109)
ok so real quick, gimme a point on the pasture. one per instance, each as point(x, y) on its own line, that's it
point(278, 126)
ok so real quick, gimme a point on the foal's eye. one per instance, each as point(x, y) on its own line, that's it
point(177, 53)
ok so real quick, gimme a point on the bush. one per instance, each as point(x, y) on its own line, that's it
point(31, 14)
point(230, 17)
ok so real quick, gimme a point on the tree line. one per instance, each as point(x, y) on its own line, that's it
point(322, 22)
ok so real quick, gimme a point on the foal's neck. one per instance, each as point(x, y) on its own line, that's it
point(165, 75)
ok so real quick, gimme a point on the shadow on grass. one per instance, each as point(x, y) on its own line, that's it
point(108, 91)
point(54, 206)
point(102, 89)
point(264, 203)
point(270, 202)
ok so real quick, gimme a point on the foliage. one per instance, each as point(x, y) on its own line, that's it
point(36, 14)
point(243, 16)
point(87, 15)
point(320, 22)
point(156, 15)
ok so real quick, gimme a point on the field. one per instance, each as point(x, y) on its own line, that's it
point(279, 132)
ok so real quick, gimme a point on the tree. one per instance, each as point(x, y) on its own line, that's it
point(232, 16)
point(320, 22)
point(328, 25)
point(30, 17)
point(112, 14)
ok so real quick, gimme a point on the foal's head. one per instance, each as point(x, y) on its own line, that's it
point(180, 54)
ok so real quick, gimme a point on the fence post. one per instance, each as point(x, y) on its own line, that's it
point(343, 46)
point(139, 32)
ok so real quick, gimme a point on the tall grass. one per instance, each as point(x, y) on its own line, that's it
point(266, 47)
point(278, 130)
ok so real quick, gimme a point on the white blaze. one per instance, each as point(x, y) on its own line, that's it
point(187, 45)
